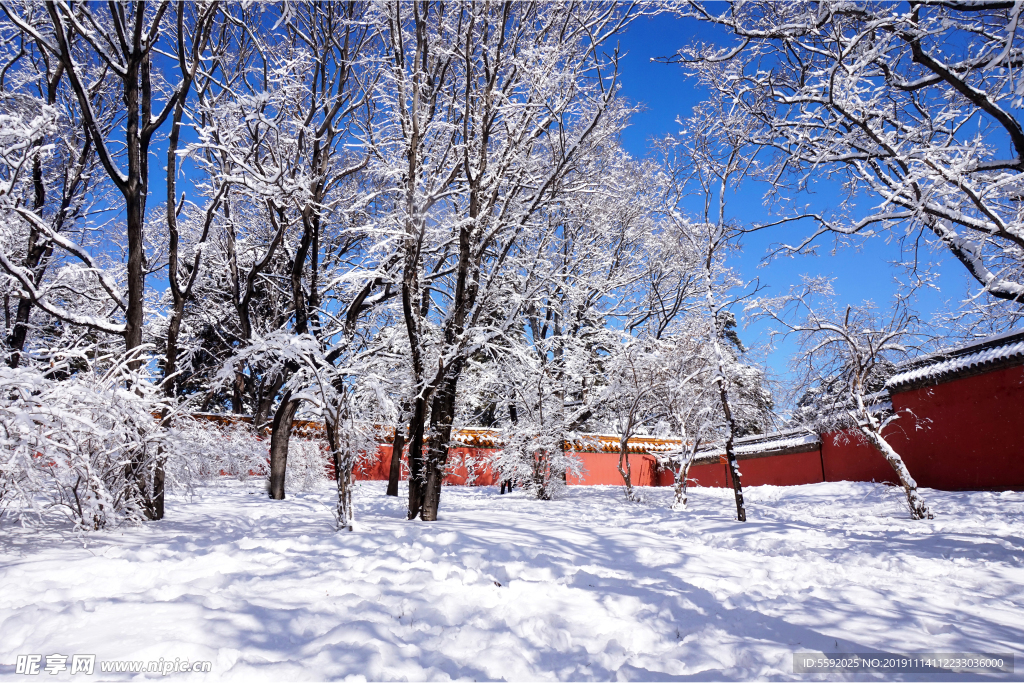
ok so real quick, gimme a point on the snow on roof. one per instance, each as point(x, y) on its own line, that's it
point(789, 439)
point(779, 443)
point(953, 362)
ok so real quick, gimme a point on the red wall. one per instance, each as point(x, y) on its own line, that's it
point(848, 457)
point(708, 474)
point(602, 468)
point(790, 469)
point(777, 470)
point(464, 463)
point(973, 436)
point(374, 471)
point(598, 468)
point(713, 474)
point(965, 434)
point(460, 466)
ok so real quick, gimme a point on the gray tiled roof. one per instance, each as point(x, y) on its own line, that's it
point(978, 357)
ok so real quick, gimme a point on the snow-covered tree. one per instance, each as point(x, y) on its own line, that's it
point(842, 362)
point(688, 400)
point(67, 444)
point(715, 159)
point(343, 396)
point(914, 107)
point(286, 129)
point(588, 280)
point(96, 48)
point(484, 114)
point(634, 372)
point(50, 171)
point(117, 89)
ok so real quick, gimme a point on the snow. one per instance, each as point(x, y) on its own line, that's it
point(776, 441)
point(590, 587)
point(924, 368)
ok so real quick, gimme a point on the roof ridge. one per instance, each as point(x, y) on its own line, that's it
point(970, 359)
point(991, 342)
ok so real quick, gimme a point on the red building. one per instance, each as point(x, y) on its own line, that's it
point(961, 427)
point(961, 424)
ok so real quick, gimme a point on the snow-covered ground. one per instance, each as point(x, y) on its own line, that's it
point(506, 587)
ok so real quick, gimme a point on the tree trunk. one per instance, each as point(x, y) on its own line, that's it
point(395, 474)
point(679, 486)
point(37, 259)
point(513, 416)
point(301, 325)
point(436, 460)
point(135, 223)
point(180, 294)
point(562, 472)
point(171, 355)
point(137, 475)
point(541, 474)
point(37, 256)
point(416, 473)
point(237, 387)
point(281, 432)
point(264, 402)
point(918, 509)
point(156, 504)
point(441, 418)
point(626, 472)
point(730, 454)
point(682, 473)
point(19, 332)
point(342, 457)
point(159, 477)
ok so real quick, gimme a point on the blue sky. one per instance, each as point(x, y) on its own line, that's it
point(861, 274)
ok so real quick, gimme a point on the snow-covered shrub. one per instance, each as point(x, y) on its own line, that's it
point(85, 445)
point(203, 450)
point(307, 465)
point(534, 459)
point(21, 438)
point(200, 450)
